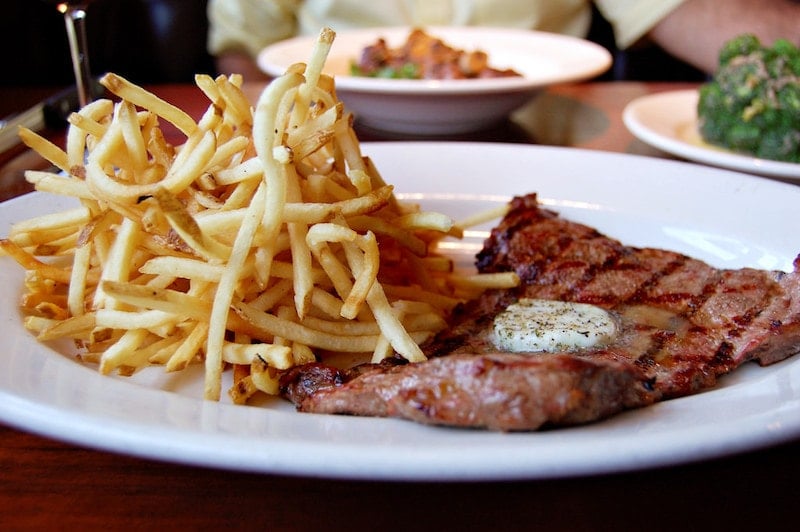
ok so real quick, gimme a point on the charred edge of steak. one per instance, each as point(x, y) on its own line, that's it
point(498, 391)
point(299, 383)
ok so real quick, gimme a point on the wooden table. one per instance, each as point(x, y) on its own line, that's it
point(46, 484)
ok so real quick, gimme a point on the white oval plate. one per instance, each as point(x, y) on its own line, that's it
point(429, 107)
point(726, 218)
point(668, 121)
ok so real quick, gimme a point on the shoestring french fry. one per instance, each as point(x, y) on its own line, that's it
point(263, 240)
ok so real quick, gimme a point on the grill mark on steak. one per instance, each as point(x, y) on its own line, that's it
point(682, 324)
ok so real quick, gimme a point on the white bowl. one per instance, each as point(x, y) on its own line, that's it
point(434, 107)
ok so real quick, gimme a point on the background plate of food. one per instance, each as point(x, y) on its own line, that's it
point(668, 121)
point(442, 106)
point(160, 415)
point(747, 117)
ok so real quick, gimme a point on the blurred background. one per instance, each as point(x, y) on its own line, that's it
point(147, 41)
point(164, 41)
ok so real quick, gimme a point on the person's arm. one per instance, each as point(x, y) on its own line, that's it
point(696, 30)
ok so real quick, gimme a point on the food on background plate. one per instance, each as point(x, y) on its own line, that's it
point(424, 56)
point(680, 325)
point(264, 241)
point(752, 105)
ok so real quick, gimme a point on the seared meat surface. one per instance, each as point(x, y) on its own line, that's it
point(683, 324)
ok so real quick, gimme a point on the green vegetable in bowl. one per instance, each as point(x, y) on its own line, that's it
point(752, 105)
point(405, 71)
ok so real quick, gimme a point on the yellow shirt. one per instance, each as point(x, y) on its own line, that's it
point(250, 25)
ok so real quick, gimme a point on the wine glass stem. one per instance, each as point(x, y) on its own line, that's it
point(75, 18)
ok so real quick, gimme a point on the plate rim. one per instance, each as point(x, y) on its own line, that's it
point(633, 117)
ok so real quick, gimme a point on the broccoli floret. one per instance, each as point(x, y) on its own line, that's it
point(753, 103)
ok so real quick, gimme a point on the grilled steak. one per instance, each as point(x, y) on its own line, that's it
point(682, 325)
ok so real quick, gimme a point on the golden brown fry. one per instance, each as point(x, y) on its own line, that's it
point(185, 225)
point(486, 280)
point(119, 261)
point(76, 327)
point(433, 221)
point(29, 262)
point(223, 296)
point(303, 283)
point(139, 96)
point(384, 227)
point(297, 332)
point(132, 136)
point(189, 347)
point(264, 377)
point(277, 356)
point(119, 353)
point(56, 184)
point(70, 218)
point(45, 148)
point(76, 294)
point(320, 212)
point(86, 122)
point(236, 102)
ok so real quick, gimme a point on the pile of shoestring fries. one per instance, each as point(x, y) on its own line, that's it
point(264, 241)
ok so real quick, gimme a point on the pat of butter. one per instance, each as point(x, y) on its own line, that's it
point(535, 325)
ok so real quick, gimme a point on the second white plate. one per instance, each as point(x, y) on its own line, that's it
point(434, 107)
point(668, 121)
